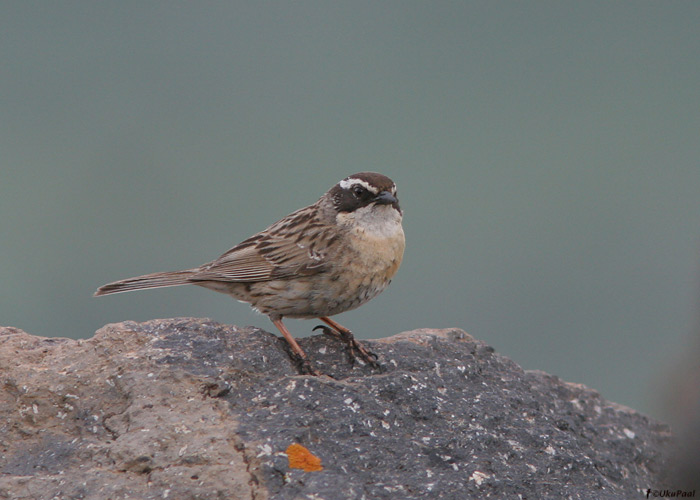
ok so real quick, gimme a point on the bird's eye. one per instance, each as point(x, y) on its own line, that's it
point(358, 191)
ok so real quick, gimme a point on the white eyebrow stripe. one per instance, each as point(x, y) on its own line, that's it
point(352, 181)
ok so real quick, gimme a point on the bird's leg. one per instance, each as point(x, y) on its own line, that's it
point(341, 333)
point(298, 355)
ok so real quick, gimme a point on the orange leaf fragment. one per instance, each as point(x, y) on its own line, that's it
point(301, 458)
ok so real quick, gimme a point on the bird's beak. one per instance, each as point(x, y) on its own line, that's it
point(386, 198)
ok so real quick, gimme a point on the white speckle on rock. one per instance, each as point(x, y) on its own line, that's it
point(478, 477)
point(550, 451)
point(353, 406)
point(265, 450)
point(629, 433)
point(515, 445)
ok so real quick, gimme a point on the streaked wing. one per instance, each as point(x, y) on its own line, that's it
point(281, 251)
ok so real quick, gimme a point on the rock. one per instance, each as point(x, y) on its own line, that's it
point(188, 408)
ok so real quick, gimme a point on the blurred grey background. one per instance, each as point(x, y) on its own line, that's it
point(546, 155)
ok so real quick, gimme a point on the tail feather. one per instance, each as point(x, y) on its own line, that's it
point(155, 280)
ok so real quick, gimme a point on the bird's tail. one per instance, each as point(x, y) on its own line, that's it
point(155, 280)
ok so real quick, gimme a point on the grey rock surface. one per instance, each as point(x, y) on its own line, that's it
point(192, 409)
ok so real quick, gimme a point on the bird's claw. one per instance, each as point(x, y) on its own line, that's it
point(354, 346)
point(328, 331)
point(303, 365)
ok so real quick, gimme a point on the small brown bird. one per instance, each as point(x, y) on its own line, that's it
point(319, 261)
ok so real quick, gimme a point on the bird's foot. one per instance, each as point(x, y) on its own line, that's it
point(354, 347)
point(303, 365)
